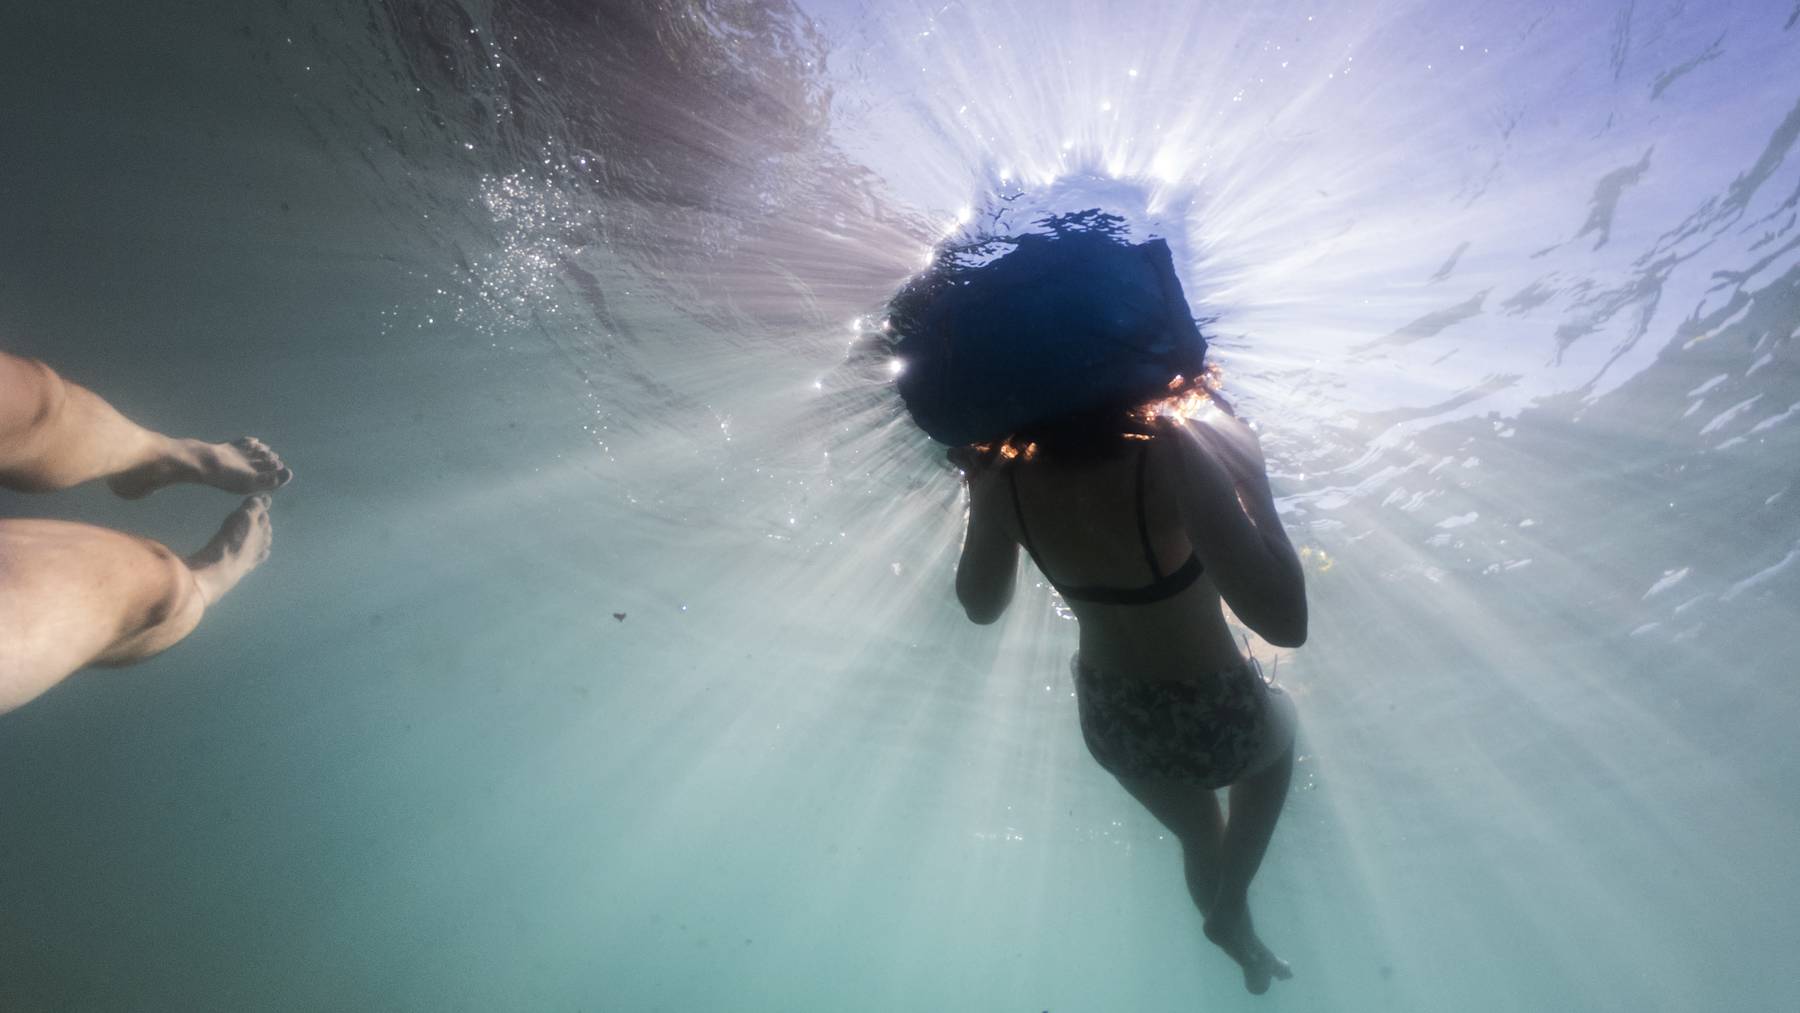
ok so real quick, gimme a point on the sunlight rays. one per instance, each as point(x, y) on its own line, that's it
point(1429, 254)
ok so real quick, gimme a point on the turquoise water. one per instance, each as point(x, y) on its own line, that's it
point(549, 312)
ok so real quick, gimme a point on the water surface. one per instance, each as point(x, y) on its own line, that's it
point(549, 308)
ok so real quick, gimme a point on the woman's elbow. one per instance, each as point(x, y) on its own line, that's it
point(1285, 630)
point(1291, 631)
point(983, 597)
point(983, 609)
point(1287, 636)
point(982, 615)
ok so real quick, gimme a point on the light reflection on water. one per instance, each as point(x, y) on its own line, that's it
point(1513, 291)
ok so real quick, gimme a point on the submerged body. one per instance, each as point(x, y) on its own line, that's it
point(1147, 545)
point(73, 595)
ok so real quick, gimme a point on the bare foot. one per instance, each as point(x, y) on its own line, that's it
point(242, 542)
point(1229, 928)
point(243, 466)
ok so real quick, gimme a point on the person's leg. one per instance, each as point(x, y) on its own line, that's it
point(1192, 814)
point(73, 594)
point(1167, 772)
point(55, 434)
point(1256, 803)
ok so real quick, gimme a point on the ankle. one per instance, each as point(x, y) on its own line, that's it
point(156, 453)
point(205, 578)
point(204, 558)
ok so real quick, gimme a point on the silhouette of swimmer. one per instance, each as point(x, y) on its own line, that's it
point(1145, 519)
point(73, 595)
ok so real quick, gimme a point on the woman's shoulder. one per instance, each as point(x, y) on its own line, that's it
point(1171, 441)
point(1185, 455)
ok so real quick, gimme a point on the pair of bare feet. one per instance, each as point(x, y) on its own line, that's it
point(1228, 926)
point(247, 467)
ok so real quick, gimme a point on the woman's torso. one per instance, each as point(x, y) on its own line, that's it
point(1082, 523)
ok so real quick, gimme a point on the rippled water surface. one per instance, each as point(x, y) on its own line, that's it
point(606, 658)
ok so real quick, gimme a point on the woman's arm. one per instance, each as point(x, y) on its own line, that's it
point(1230, 516)
point(990, 557)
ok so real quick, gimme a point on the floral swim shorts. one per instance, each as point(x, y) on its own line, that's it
point(1208, 734)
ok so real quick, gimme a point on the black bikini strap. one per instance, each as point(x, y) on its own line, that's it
point(1143, 521)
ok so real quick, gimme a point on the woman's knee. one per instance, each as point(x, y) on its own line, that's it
point(165, 610)
point(32, 397)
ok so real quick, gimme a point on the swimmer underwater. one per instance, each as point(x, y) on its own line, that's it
point(1147, 512)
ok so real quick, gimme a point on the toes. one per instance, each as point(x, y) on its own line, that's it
point(1263, 968)
point(253, 449)
point(273, 479)
point(269, 473)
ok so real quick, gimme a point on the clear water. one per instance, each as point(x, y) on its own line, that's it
point(548, 306)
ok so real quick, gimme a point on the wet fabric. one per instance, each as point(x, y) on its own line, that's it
point(1206, 734)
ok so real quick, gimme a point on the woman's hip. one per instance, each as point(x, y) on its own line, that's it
point(1209, 732)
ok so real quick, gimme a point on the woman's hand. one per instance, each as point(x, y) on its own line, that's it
point(990, 558)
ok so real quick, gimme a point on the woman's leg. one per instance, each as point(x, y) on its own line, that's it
point(1192, 815)
point(73, 594)
point(1221, 856)
point(55, 434)
point(1216, 856)
point(1255, 807)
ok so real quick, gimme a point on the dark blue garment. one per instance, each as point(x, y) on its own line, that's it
point(1064, 324)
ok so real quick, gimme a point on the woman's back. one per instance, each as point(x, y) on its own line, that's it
point(1116, 535)
point(1116, 525)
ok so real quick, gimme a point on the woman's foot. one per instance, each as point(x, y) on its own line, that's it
point(243, 466)
point(242, 542)
point(1228, 926)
